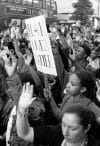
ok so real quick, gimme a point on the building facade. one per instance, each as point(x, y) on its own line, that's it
point(22, 9)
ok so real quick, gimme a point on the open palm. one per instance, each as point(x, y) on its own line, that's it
point(26, 97)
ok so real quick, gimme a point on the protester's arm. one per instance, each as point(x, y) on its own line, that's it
point(11, 65)
point(23, 62)
point(61, 72)
point(96, 110)
point(22, 67)
point(15, 87)
point(43, 134)
point(15, 43)
point(64, 56)
point(55, 109)
point(93, 106)
point(23, 128)
point(98, 90)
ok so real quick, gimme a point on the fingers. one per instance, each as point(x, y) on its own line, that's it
point(31, 91)
point(26, 97)
point(98, 83)
point(32, 100)
point(28, 88)
point(49, 87)
point(47, 94)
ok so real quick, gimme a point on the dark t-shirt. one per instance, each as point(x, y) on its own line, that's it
point(52, 135)
point(48, 134)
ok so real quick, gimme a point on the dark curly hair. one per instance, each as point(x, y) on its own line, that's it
point(86, 117)
point(86, 49)
point(87, 80)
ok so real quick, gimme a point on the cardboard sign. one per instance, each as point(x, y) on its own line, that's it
point(40, 43)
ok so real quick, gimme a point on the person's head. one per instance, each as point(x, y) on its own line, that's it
point(14, 23)
point(93, 54)
point(81, 82)
point(76, 123)
point(82, 52)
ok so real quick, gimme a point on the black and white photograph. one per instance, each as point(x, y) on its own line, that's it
point(49, 72)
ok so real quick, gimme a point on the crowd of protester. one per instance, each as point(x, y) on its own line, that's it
point(38, 109)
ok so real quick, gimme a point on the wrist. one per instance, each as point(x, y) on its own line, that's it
point(98, 97)
point(21, 111)
point(51, 99)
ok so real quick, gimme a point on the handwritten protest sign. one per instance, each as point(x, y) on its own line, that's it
point(40, 44)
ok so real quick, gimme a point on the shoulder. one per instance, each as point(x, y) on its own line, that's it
point(93, 142)
point(82, 100)
point(96, 109)
point(85, 101)
point(48, 135)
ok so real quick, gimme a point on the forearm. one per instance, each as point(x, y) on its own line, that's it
point(15, 43)
point(56, 111)
point(15, 87)
point(13, 80)
point(23, 128)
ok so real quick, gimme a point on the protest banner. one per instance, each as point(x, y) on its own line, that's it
point(40, 43)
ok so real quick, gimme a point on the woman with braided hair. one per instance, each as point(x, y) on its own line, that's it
point(6, 102)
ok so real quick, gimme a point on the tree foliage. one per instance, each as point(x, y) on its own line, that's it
point(83, 11)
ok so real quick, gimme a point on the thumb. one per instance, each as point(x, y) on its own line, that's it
point(49, 87)
point(32, 100)
point(98, 84)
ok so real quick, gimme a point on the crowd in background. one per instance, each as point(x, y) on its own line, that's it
point(73, 97)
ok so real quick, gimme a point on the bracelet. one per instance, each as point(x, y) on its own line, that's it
point(22, 114)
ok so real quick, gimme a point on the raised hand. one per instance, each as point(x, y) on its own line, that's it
point(10, 65)
point(98, 90)
point(47, 93)
point(28, 59)
point(26, 97)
